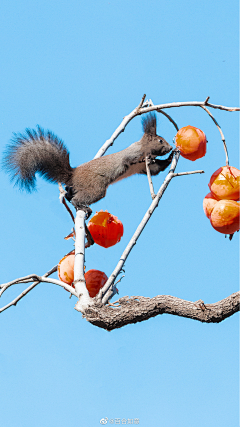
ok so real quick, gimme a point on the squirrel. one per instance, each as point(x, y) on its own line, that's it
point(43, 152)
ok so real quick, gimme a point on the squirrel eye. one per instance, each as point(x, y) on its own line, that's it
point(160, 140)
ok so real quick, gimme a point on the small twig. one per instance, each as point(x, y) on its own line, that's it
point(38, 279)
point(63, 201)
point(221, 132)
point(26, 291)
point(169, 118)
point(142, 101)
point(149, 103)
point(147, 160)
point(68, 209)
point(186, 173)
point(119, 280)
point(25, 279)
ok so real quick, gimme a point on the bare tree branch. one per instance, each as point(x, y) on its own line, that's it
point(37, 279)
point(149, 103)
point(144, 110)
point(79, 278)
point(147, 161)
point(187, 173)
point(25, 292)
point(169, 118)
point(221, 133)
point(137, 309)
point(147, 107)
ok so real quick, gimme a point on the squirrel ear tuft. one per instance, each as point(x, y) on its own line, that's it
point(149, 124)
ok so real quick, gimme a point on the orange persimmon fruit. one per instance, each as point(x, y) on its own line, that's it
point(191, 142)
point(208, 204)
point(225, 183)
point(66, 268)
point(95, 279)
point(225, 216)
point(105, 228)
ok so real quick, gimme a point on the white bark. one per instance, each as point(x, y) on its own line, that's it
point(148, 106)
point(79, 279)
point(153, 195)
point(109, 288)
point(105, 292)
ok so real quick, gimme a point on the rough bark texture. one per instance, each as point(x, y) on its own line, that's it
point(136, 309)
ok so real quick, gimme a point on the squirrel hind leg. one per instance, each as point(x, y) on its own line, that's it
point(69, 193)
point(81, 206)
point(86, 209)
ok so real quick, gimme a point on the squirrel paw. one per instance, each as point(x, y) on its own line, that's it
point(84, 208)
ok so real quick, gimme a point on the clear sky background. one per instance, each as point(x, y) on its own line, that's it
point(77, 68)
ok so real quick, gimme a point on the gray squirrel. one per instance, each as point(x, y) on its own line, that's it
point(43, 152)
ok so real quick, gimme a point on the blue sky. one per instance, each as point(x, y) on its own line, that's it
point(77, 68)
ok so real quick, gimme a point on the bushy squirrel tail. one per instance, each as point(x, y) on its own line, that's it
point(37, 151)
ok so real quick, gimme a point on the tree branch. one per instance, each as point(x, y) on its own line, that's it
point(147, 107)
point(221, 133)
point(187, 173)
point(37, 279)
point(79, 278)
point(106, 292)
point(25, 292)
point(147, 161)
point(137, 309)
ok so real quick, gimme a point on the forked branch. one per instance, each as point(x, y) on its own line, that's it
point(147, 107)
point(135, 309)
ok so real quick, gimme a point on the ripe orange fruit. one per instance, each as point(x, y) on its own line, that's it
point(95, 279)
point(106, 229)
point(66, 268)
point(225, 216)
point(191, 142)
point(208, 204)
point(225, 183)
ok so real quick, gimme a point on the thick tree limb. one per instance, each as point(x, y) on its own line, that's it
point(137, 309)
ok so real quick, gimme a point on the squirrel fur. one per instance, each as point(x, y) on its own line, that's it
point(43, 152)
